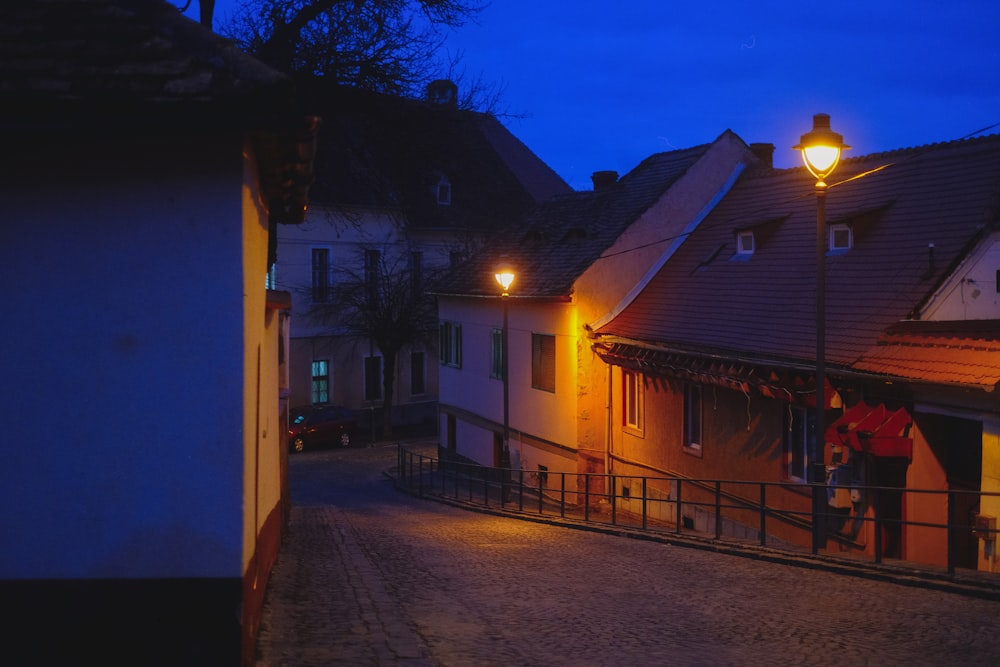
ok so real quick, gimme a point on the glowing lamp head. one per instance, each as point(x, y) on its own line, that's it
point(504, 277)
point(821, 148)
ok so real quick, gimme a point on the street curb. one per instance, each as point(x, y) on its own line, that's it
point(978, 585)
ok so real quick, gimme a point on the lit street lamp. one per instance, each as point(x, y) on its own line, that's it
point(504, 277)
point(821, 149)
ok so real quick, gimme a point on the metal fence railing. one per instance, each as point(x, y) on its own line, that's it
point(744, 511)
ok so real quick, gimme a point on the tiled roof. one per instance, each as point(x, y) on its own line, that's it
point(965, 353)
point(386, 151)
point(93, 61)
point(562, 237)
point(764, 306)
point(89, 69)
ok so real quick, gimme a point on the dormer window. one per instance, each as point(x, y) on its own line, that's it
point(444, 192)
point(841, 238)
point(745, 242)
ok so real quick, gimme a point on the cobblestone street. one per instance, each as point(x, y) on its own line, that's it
point(372, 576)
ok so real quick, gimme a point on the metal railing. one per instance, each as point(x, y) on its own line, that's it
point(791, 516)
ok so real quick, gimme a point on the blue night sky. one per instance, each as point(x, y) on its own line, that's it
point(602, 85)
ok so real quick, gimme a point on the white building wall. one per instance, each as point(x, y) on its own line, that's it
point(973, 291)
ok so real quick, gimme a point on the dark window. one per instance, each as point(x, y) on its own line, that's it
point(321, 275)
point(543, 362)
point(692, 417)
point(496, 347)
point(450, 344)
point(416, 373)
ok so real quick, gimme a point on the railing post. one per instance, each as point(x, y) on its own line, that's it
point(562, 494)
point(878, 525)
point(613, 491)
point(718, 509)
point(540, 490)
point(420, 476)
point(586, 496)
point(763, 514)
point(817, 504)
point(644, 502)
point(950, 532)
point(680, 517)
point(520, 489)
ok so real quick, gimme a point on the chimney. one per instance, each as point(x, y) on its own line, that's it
point(443, 93)
point(604, 180)
point(764, 153)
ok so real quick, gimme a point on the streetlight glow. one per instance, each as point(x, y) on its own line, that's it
point(504, 277)
point(821, 148)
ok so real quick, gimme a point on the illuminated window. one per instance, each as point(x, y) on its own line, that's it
point(320, 381)
point(692, 419)
point(633, 400)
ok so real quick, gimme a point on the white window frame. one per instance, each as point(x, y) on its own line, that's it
point(746, 243)
point(450, 343)
point(633, 401)
point(840, 229)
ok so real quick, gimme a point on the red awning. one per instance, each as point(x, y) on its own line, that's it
point(877, 430)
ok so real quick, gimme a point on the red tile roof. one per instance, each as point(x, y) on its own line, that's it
point(952, 353)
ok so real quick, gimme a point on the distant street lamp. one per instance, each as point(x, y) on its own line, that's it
point(821, 149)
point(505, 277)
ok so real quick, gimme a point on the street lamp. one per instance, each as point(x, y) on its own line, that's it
point(505, 277)
point(821, 149)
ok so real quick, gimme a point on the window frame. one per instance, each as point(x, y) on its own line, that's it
point(319, 386)
point(543, 362)
point(450, 343)
point(322, 275)
point(694, 421)
point(800, 423)
point(833, 230)
point(418, 373)
point(741, 247)
point(633, 402)
point(496, 353)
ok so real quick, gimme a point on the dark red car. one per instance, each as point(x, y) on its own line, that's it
point(320, 425)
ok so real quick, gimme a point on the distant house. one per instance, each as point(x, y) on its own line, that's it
point(713, 360)
point(404, 189)
point(575, 257)
point(146, 165)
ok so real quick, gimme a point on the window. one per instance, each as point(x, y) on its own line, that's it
point(841, 238)
point(450, 343)
point(444, 192)
point(271, 280)
point(322, 275)
point(496, 367)
point(633, 400)
point(321, 381)
point(373, 378)
point(692, 418)
point(744, 242)
point(417, 273)
point(543, 362)
point(801, 424)
point(417, 373)
point(372, 275)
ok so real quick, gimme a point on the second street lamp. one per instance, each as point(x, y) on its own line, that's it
point(821, 149)
point(505, 277)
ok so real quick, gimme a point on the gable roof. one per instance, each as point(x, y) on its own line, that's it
point(709, 299)
point(385, 151)
point(562, 237)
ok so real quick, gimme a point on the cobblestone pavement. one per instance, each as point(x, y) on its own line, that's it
point(372, 576)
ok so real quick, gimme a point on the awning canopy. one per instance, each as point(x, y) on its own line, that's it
point(875, 430)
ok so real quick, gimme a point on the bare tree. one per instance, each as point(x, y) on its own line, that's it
point(389, 46)
point(383, 303)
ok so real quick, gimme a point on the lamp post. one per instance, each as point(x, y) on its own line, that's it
point(821, 149)
point(504, 277)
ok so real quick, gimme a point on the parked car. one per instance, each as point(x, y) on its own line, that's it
point(320, 425)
